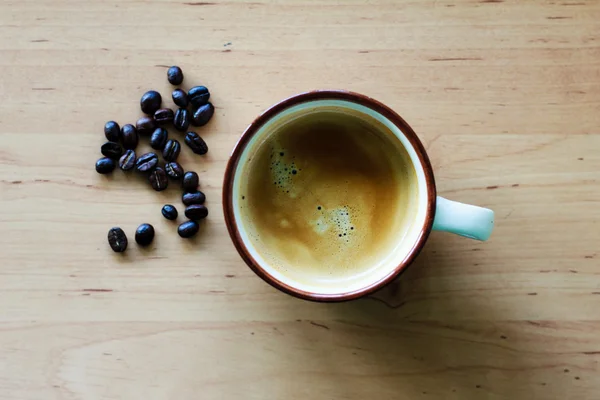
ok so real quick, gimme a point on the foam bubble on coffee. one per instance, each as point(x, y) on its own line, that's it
point(283, 171)
point(336, 221)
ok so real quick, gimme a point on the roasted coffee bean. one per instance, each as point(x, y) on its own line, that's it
point(188, 229)
point(111, 131)
point(171, 150)
point(196, 212)
point(190, 182)
point(193, 198)
point(105, 165)
point(127, 160)
point(180, 98)
point(196, 143)
point(145, 126)
point(159, 138)
point(163, 116)
point(129, 137)
point(169, 212)
point(175, 75)
point(146, 162)
point(111, 150)
point(198, 96)
point(174, 170)
point(158, 179)
point(150, 102)
point(203, 114)
point(144, 234)
point(181, 120)
point(117, 239)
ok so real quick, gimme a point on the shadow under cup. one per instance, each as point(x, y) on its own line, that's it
point(311, 233)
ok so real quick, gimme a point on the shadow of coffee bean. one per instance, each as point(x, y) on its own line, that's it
point(124, 257)
point(151, 248)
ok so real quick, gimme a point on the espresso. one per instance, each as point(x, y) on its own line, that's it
point(327, 195)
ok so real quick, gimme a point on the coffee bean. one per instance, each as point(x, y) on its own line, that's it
point(158, 179)
point(180, 98)
point(171, 150)
point(169, 212)
point(175, 75)
point(198, 96)
point(163, 116)
point(129, 137)
point(196, 143)
point(105, 165)
point(144, 234)
point(196, 212)
point(146, 162)
point(127, 160)
point(182, 119)
point(203, 114)
point(159, 138)
point(117, 239)
point(174, 170)
point(188, 229)
point(193, 198)
point(111, 150)
point(150, 102)
point(111, 131)
point(190, 182)
point(145, 126)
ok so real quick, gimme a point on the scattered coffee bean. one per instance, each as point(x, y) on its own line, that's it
point(111, 150)
point(129, 137)
point(171, 150)
point(150, 102)
point(196, 212)
point(175, 75)
point(193, 198)
point(111, 131)
point(105, 165)
point(181, 120)
point(145, 126)
point(198, 96)
point(203, 114)
point(159, 138)
point(117, 239)
point(174, 170)
point(180, 98)
point(127, 160)
point(163, 116)
point(190, 182)
point(196, 143)
point(169, 212)
point(146, 162)
point(158, 179)
point(188, 229)
point(144, 234)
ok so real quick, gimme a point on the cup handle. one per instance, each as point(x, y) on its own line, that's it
point(463, 219)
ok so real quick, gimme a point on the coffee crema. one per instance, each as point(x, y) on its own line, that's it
point(327, 195)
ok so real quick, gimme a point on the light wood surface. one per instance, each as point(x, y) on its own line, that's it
point(505, 94)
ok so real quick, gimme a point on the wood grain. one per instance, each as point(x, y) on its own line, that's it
point(505, 94)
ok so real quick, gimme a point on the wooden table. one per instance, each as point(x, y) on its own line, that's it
point(505, 94)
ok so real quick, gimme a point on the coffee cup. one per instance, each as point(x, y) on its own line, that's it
point(329, 195)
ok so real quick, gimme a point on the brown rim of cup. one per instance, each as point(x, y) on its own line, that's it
point(278, 108)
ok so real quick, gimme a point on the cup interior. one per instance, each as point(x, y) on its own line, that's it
point(407, 240)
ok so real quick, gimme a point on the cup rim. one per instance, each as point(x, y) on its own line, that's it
point(273, 111)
